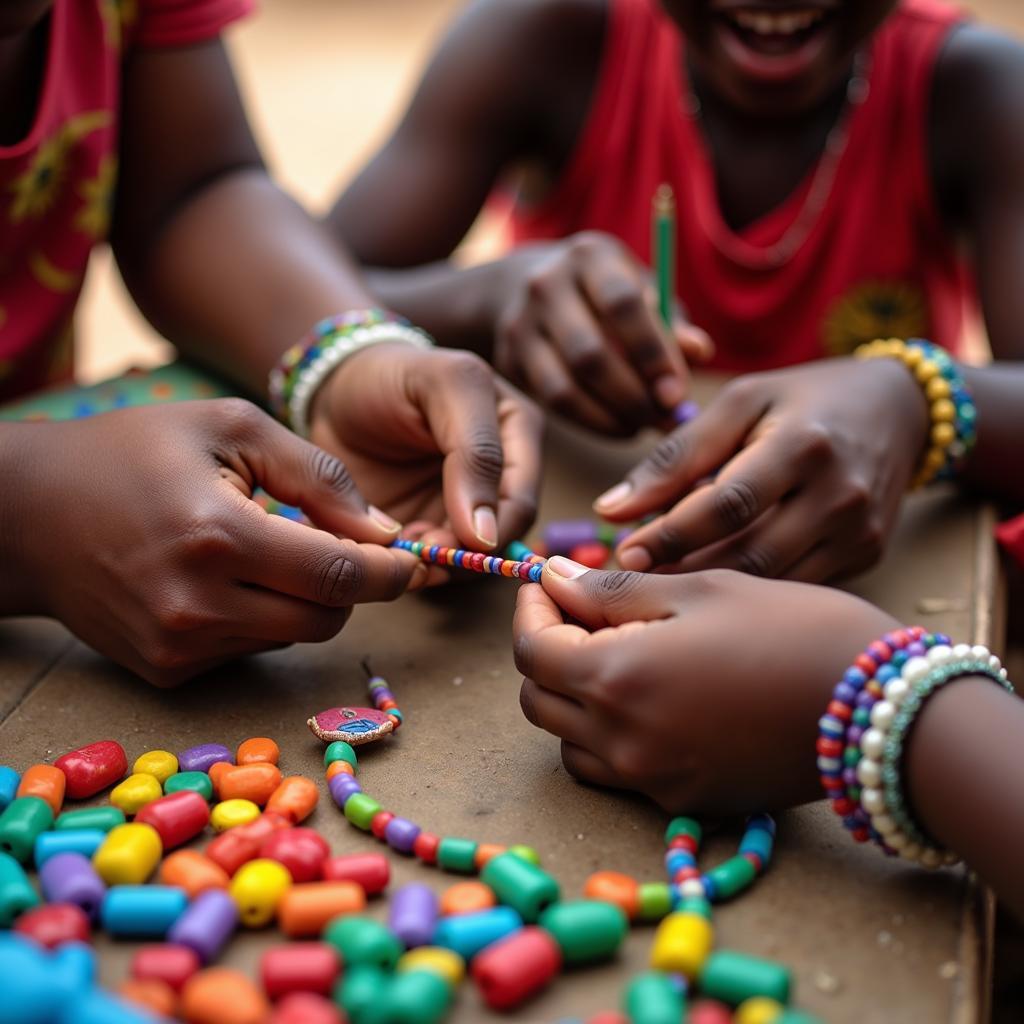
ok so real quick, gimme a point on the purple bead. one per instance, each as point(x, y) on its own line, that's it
point(623, 534)
point(71, 878)
point(850, 776)
point(206, 926)
point(413, 914)
point(684, 412)
point(342, 786)
point(866, 699)
point(853, 734)
point(561, 537)
point(204, 757)
point(861, 816)
point(400, 834)
point(845, 693)
point(916, 649)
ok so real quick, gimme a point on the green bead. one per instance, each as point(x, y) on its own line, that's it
point(851, 757)
point(586, 930)
point(527, 853)
point(416, 997)
point(652, 999)
point(861, 716)
point(606, 533)
point(520, 885)
point(362, 940)
point(197, 782)
point(654, 900)
point(16, 892)
point(360, 809)
point(103, 818)
point(455, 854)
point(797, 1017)
point(360, 988)
point(695, 905)
point(683, 827)
point(339, 750)
point(25, 818)
point(733, 977)
point(732, 876)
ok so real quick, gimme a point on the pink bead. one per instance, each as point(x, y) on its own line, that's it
point(305, 1008)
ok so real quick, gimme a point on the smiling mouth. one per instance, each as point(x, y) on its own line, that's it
point(775, 31)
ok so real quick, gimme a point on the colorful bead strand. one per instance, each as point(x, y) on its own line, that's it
point(474, 561)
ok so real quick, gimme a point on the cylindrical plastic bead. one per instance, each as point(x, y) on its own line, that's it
point(161, 764)
point(681, 944)
point(92, 768)
point(520, 885)
point(758, 1010)
point(299, 967)
point(217, 769)
point(416, 997)
point(467, 934)
point(593, 555)
point(9, 780)
point(21, 824)
point(196, 782)
point(561, 536)
point(371, 871)
point(295, 798)
point(731, 877)
point(128, 854)
point(207, 925)
point(342, 787)
point(339, 768)
point(708, 1011)
point(586, 930)
point(230, 850)
point(527, 853)
point(142, 911)
point(614, 887)
point(45, 781)
point(362, 940)
point(413, 914)
point(98, 1006)
point(16, 892)
point(85, 841)
point(683, 827)
point(400, 834)
point(516, 967)
point(759, 841)
point(135, 792)
point(466, 898)
point(425, 847)
point(29, 995)
point(445, 962)
point(360, 809)
point(232, 813)
point(150, 994)
point(73, 967)
point(71, 878)
point(258, 750)
point(733, 977)
point(486, 852)
point(359, 990)
point(339, 750)
point(203, 757)
point(177, 818)
point(173, 965)
point(454, 854)
point(102, 818)
point(54, 924)
point(301, 850)
point(305, 1008)
point(654, 901)
point(220, 995)
point(305, 909)
point(651, 998)
point(194, 872)
point(258, 888)
point(255, 782)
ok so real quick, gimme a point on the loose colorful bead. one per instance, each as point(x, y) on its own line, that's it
point(594, 555)
point(299, 967)
point(21, 823)
point(177, 817)
point(135, 792)
point(520, 885)
point(258, 887)
point(454, 854)
point(417, 996)
point(413, 914)
point(258, 750)
point(54, 924)
point(255, 782)
point(654, 901)
point(339, 750)
point(445, 962)
point(73, 967)
point(102, 818)
point(467, 934)
point(370, 871)
point(734, 977)
point(173, 965)
point(128, 854)
point(207, 924)
point(45, 782)
point(26, 982)
point(301, 850)
point(149, 995)
point(296, 798)
point(709, 1011)
point(16, 892)
point(758, 1010)
point(217, 769)
point(142, 911)
point(9, 780)
point(517, 967)
point(85, 841)
point(359, 989)
point(71, 878)
point(97, 1006)
point(466, 898)
point(194, 872)
point(306, 909)
point(232, 813)
point(586, 931)
point(220, 995)
point(682, 944)
point(614, 887)
point(362, 940)
point(196, 782)
point(161, 764)
point(203, 757)
point(305, 1008)
point(92, 768)
point(651, 998)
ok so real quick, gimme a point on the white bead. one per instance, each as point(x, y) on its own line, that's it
point(1003, 674)
point(931, 858)
point(884, 825)
point(912, 851)
point(692, 887)
point(896, 690)
point(873, 801)
point(882, 715)
point(829, 764)
point(869, 773)
point(939, 654)
point(915, 669)
point(897, 840)
point(981, 653)
point(872, 744)
point(961, 651)
point(994, 663)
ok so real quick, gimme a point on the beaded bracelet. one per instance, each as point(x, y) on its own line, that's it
point(950, 407)
point(304, 367)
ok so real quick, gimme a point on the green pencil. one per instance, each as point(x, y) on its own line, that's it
point(663, 248)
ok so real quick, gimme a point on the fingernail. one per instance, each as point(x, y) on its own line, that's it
point(636, 559)
point(565, 568)
point(669, 390)
point(383, 519)
point(485, 525)
point(615, 496)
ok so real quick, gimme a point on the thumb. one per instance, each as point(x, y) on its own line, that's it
point(695, 342)
point(598, 599)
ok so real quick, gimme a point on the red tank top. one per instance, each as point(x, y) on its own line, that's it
point(874, 260)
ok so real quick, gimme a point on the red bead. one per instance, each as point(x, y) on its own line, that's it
point(425, 847)
point(514, 968)
point(524, 570)
point(299, 967)
point(55, 924)
point(165, 962)
point(828, 747)
point(866, 664)
point(476, 561)
point(755, 859)
point(861, 835)
point(230, 850)
point(684, 873)
point(370, 871)
point(178, 817)
point(844, 806)
point(832, 783)
point(305, 1008)
point(92, 768)
point(916, 632)
point(608, 1017)
point(880, 651)
point(708, 1011)
point(839, 710)
point(900, 638)
point(683, 842)
point(593, 555)
point(301, 850)
point(379, 822)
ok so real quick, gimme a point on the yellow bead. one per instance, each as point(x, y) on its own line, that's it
point(934, 459)
point(758, 1010)
point(943, 411)
point(937, 387)
point(231, 813)
point(444, 962)
point(911, 356)
point(682, 944)
point(943, 434)
point(925, 371)
point(160, 763)
point(129, 854)
point(257, 888)
point(135, 792)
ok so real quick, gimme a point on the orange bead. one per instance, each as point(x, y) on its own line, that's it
point(192, 871)
point(295, 798)
point(216, 772)
point(150, 994)
point(253, 782)
point(466, 898)
point(258, 750)
point(46, 782)
point(305, 909)
point(339, 768)
point(614, 887)
point(220, 995)
point(485, 851)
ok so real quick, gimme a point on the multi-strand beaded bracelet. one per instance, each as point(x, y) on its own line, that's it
point(863, 731)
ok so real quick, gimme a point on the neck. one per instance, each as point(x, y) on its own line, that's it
point(22, 67)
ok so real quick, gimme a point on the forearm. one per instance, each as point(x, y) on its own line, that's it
point(19, 590)
point(995, 464)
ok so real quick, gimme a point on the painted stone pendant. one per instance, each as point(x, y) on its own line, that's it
point(353, 725)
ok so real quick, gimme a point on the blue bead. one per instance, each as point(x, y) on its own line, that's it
point(142, 910)
point(467, 934)
point(432, 554)
point(676, 860)
point(710, 891)
point(100, 1007)
point(831, 726)
point(855, 677)
point(396, 714)
point(29, 995)
point(757, 840)
point(845, 692)
point(899, 659)
point(9, 781)
point(765, 822)
point(885, 673)
point(535, 573)
point(74, 966)
point(85, 841)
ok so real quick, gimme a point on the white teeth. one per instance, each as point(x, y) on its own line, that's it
point(782, 24)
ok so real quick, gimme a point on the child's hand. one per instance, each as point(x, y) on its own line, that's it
point(140, 536)
point(577, 326)
point(814, 463)
point(437, 436)
point(702, 691)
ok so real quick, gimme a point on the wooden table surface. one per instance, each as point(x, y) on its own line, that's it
point(870, 940)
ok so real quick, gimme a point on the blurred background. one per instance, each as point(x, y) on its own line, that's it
point(324, 82)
